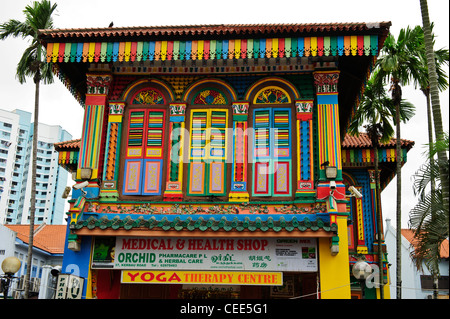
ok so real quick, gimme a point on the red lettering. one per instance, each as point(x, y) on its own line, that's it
point(161, 277)
point(174, 277)
point(207, 245)
point(147, 276)
point(133, 277)
point(126, 243)
point(264, 243)
point(249, 244)
point(191, 244)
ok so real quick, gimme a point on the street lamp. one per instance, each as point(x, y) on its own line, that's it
point(361, 271)
point(10, 266)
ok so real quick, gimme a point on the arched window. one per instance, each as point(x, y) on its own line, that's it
point(272, 143)
point(208, 126)
point(144, 143)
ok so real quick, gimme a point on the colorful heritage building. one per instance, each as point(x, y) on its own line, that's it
point(216, 157)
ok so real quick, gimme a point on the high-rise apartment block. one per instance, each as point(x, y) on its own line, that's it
point(16, 155)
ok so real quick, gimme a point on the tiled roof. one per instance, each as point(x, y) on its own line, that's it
point(363, 141)
point(229, 222)
point(50, 238)
point(219, 29)
point(409, 235)
point(72, 144)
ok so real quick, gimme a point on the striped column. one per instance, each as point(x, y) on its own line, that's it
point(174, 180)
point(93, 125)
point(239, 192)
point(326, 83)
point(111, 160)
point(305, 171)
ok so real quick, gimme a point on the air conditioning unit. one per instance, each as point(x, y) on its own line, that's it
point(36, 283)
point(21, 285)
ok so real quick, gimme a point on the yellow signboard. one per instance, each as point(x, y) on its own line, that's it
point(202, 277)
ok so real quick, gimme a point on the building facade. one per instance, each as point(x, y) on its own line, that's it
point(210, 162)
point(417, 284)
point(48, 249)
point(16, 136)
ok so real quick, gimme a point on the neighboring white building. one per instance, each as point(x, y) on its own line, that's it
point(16, 150)
point(415, 285)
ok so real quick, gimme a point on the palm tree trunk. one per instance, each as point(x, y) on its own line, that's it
point(37, 80)
point(379, 221)
point(399, 205)
point(430, 138)
point(442, 155)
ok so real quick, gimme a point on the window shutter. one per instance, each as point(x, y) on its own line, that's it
point(217, 152)
point(208, 151)
point(134, 153)
point(197, 165)
point(282, 152)
point(272, 152)
point(144, 153)
point(152, 174)
point(262, 152)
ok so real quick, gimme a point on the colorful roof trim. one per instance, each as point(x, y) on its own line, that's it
point(68, 153)
point(228, 42)
point(274, 222)
point(131, 51)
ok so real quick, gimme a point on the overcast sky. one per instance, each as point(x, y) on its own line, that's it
point(58, 107)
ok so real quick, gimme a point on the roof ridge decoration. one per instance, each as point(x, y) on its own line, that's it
point(264, 223)
point(212, 29)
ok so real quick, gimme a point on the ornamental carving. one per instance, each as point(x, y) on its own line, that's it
point(116, 108)
point(210, 97)
point(177, 109)
point(98, 84)
point(326, 82)
point(304, 106)
point(272, 96)
point(240, 108)
point(148, 96)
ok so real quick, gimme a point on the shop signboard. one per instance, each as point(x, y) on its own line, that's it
point(186, 253)
point(69, 287)
point(202, 277)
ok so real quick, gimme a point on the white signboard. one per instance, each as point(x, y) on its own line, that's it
point(249, 254)
point(69, 287)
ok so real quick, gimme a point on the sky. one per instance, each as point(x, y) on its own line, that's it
point(58, 107)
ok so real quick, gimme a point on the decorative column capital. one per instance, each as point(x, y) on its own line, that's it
point(326, 81)
point(177, 109)
point(116, 108)
point(98, 84)
point(304, 109)
point(240, 108)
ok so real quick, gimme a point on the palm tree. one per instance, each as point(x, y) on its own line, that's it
point(38, 16)
point(434, 91)
point(429, 219)
point(399, 65)
point(441, 58)
point(377, 109)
